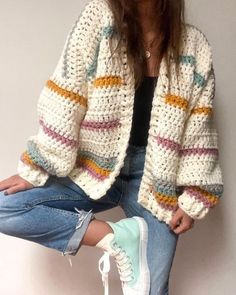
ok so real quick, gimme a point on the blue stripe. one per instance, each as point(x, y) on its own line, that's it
point(165, 187)
point(107, 163)
point(187, 59)
point(107, 32)
point(93, 67)
point(38, 159)
point(199, 80)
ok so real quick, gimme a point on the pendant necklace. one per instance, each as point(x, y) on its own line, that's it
point(147, 49)
point(147, 53)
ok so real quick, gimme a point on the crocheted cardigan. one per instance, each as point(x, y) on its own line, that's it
point(85, 113)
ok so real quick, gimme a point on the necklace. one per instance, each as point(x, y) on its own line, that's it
point(148, 46)
point(147, 54)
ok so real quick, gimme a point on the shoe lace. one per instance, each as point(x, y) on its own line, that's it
point(123, 264)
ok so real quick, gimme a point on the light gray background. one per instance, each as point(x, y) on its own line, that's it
point(32, 36)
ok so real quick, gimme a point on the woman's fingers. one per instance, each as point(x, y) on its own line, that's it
point(181, 222)
point(183, 227)
point(6, 183)
point(14, 184)
point(17, 188)
point(13, 189)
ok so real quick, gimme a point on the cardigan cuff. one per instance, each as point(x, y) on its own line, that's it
point(193, 207)
point(36, 177)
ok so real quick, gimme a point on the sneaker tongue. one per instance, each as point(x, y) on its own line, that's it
point(105, 243)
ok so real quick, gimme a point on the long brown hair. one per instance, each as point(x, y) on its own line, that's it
point(168, 21)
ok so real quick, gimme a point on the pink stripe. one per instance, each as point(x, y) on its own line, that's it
point(95, 125)
point(168, 207)
point(198, 196)
point(168, 143)
point(68, 142)
point(93, 173)
point(199, 151)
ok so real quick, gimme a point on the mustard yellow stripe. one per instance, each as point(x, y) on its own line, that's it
point(94, 166)
point(202, 110)
point(25, 158)
point(107, 81)
point(169, 200)
point(176, 101)
point(66, 93)
point(163, 198)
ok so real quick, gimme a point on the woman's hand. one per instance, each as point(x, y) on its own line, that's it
point(181, 221)
point(14, 184)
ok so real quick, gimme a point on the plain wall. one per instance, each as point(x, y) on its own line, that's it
point(32, 36)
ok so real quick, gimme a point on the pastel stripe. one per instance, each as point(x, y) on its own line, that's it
point(167, 202)
point(92, 172)
point(108, 81)
point(105, 163)
point(34, 158)
point(199, 151)
point(91, 166)
point(176, 101)
point(168, 143)
point(75, 97)
point(214, 189)
point(209, 200)
point(93, 66)
point(95, 125)
point(58, 137)
point(187, 59)
point(198, 79)
point(165, 187)
point(165, 194)
point(191, 60)
point(107, 31)
point(25, 158)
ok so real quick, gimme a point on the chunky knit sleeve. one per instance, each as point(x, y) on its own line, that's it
point(199, 174)
point(61, 107)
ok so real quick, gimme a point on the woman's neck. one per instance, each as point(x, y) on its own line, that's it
point(145, 13)
point(145, 8)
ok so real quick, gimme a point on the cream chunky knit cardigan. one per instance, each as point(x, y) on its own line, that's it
point(85, 113)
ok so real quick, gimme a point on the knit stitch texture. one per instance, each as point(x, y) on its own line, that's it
point(85, 113)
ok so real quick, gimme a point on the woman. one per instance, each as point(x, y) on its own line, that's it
point(125, 119)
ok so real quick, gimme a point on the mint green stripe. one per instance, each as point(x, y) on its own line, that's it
point(199, 79)
point(187, 59)
point(106, 163)
point(38, 159)
point(92, 67)
point(107, 32)
point(165, 187)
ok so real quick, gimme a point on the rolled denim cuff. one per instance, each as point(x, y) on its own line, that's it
point(74, 243)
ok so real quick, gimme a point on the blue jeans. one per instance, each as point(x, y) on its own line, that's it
point(57, 215)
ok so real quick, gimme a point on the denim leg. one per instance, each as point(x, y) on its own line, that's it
point(162, 240)
point(55, 215)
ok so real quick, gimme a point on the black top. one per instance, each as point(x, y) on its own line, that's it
point(142, 111)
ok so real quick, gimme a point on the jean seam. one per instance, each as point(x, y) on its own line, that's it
point(61, 211)
point(53, 198)
point(122, 192)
